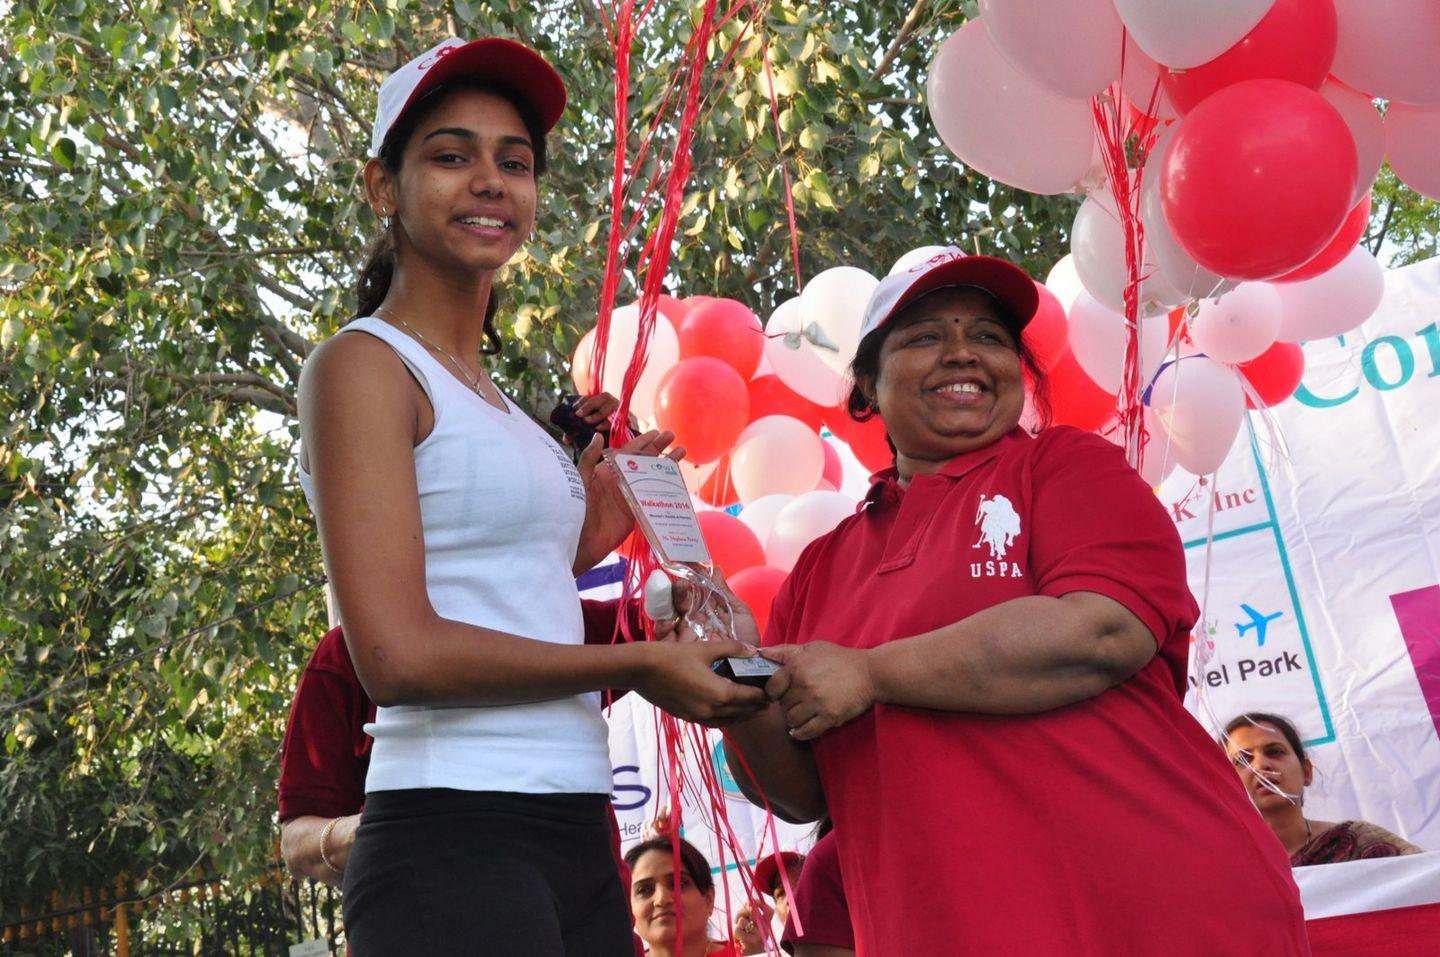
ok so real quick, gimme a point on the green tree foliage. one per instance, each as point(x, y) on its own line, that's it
point(181, 219)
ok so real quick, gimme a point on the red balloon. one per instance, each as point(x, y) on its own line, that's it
point(834, 471)
point(1047, 332)
point(718, 490)
point(1075, 399)
point(726, 330)
point(733, 547)
point(868, 440)
point(673, 309)
point(757, 588)
point(1258, 179)
point(704, 402)
point(1351, 231)
point(770, 396)
point(1295, 41)
point(1275, 374)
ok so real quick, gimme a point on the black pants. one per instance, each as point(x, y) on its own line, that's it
point(494, 874)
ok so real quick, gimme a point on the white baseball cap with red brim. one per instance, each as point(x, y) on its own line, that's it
point(505, 63)
point(1004, 280)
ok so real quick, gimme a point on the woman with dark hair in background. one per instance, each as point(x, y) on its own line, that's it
point(984, 668)
point(453, 528)
point(671, 925)
point(1275, 770)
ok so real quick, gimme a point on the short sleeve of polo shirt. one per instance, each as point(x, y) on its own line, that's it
point(320, 772)
point(820, 901)
point(1097, 527)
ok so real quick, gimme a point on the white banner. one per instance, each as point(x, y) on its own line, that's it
point(1324, 576)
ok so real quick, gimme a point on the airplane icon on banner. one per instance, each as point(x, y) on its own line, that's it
point(1258, 623)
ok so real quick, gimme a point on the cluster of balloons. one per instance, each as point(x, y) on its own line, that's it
point(1253, 196)
point(1010, 93)
point(750, 404)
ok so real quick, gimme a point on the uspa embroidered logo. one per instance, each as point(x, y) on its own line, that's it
point(999, 525)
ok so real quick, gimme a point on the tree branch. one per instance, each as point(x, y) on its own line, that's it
point(907, 30)
point(1379, 240)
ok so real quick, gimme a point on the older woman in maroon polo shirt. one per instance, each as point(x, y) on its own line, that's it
point(984, 668)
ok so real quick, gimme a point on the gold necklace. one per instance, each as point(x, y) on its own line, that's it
point(472, 381)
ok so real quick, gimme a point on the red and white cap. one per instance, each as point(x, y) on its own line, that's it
point(1002, 279)
point(505, 63)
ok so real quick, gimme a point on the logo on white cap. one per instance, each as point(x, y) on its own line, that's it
point(399, 86)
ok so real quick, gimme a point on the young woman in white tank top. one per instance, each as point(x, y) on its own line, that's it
point(453, 528)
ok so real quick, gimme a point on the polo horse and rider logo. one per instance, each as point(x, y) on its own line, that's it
point(999, 524)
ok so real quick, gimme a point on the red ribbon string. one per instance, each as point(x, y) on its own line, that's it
point(635, 192)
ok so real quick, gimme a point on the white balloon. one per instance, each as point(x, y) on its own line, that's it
point(1071, 46)
point(1200, 405)
point(1177, 270)
point(1001, 122)
point(915, 257)
point(1186, 33)
point(760, 514)
point(801, 522)
point(1367, 127)
point(1097, 340)
point(1097, 243)
point(664, 352)
point(1239, 325)
point(1333, 302)
point(795, 359)
point(834, 301)
point(1064, 281)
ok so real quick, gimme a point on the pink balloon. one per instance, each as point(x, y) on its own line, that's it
point(1366, 126)
point(1142, 85)
point(1200, 405)
point(776, 455)
point(1157, 459)
point(1390, 49)
point(1239, 325)
point(1333, 302)
point(1001, 122)
point(796, 361)
point(1097, 341)
point(1071, 46)
point(1412, 140)
point(801, 522)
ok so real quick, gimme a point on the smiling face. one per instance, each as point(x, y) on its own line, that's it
point(464, 196)
point(655, 908)
point(1262, 753)
point(949, 378)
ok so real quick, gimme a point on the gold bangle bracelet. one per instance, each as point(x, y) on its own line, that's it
point(324, 835)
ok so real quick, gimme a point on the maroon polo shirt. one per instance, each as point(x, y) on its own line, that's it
point(1111, 822)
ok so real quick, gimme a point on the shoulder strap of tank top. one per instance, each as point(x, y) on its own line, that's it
point(423, 366)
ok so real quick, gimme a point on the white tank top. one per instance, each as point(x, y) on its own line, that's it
point(501, 507)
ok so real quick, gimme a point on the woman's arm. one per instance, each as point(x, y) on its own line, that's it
point(300, 846)
point(1021, 656)
point(359, 415)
